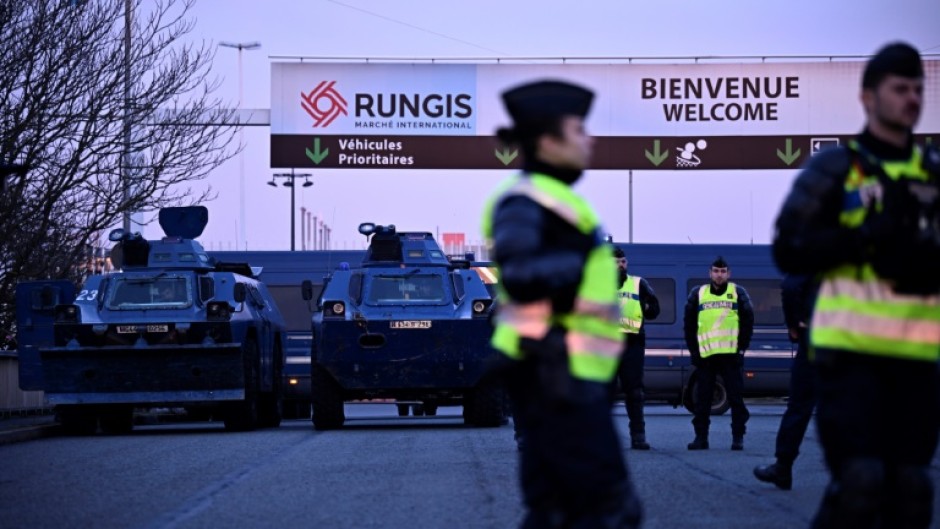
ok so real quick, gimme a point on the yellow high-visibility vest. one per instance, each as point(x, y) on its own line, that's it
point(858, 311)
point(718, 321)
point(593, 336)
point(631, 311)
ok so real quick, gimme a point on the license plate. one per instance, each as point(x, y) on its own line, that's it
point(132, 329)
point(411, 324)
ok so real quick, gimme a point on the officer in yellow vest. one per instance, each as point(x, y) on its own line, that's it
point(638, 303)
point(718, 325)
point(558, 324)
point(865, 218)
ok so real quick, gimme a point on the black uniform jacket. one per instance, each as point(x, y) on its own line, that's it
point(798, 296)
point(540, 255)
point(808, 237)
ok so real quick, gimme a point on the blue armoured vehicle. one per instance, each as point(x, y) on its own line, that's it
point(409, 324)
point(173, 328)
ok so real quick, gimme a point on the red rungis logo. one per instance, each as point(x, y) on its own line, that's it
point(323, 103)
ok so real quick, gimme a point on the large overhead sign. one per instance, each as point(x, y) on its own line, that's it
point(649, 116)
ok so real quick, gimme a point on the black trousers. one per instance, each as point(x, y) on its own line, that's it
point(882, 415)
point(630, 373)
point(726, 366)
point(800, 404)
point(572, 469)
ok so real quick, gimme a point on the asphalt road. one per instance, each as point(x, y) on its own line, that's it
point(381, 471)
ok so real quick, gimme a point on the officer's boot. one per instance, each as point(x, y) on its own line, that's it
point(737, 442)
point(700, 442)
point(779, 473)
point(638, 441)
point(912, 498)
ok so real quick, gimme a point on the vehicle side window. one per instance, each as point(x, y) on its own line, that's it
point(457, 280)
point(206, 289)
point(665, 290)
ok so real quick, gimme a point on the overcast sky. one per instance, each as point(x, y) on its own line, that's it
point(668, 206)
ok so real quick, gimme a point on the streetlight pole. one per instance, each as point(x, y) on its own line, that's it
point(289, 182)
point(241, 155)
point(126, 154)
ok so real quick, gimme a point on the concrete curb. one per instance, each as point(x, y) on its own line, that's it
point(29, 433)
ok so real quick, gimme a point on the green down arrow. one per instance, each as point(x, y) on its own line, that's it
point(790, 156)
point(506, 156)
point(316, 155)
point(656, 157)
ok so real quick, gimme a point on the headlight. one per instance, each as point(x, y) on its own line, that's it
point(481, 306)
point(338, 308)
point(67, 314)
point(218, 311)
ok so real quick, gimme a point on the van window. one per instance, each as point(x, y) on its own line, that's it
point(765, 298)
point(296, 311)
point(665, 290)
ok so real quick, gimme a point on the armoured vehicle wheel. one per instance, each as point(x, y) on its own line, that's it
point(243, 415)
point(720, 402)
point(417, 410)
point(77, 420)
point(117, 420)
point(402, 409)
point(485, 406)
point(272, 403)
point(327, 398)
point(430, 409)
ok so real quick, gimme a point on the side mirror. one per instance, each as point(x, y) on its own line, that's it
point(240, 293)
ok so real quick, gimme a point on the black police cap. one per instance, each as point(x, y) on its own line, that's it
point(897, 58)
point(546, 101)
point(720, 262)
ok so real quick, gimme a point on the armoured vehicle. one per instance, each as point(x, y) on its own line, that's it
point(173, 328)
point(408, 324)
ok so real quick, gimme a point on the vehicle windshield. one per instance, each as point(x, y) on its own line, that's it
point(413, 288)
point(160, 292)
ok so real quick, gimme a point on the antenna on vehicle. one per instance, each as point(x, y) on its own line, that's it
point(690, 239)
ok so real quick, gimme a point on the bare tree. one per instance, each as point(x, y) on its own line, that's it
point(63, 109)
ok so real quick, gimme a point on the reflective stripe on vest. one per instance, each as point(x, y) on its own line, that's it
point(592, 335)
point(718, 321)
point(858, 311)
point(631, 312)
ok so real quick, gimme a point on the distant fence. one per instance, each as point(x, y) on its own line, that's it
point(13, 400)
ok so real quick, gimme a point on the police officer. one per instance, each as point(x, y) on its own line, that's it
point(638, 303)
point(865, 217)
point(798, 294)
point(558, 323)
point(718, 325)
